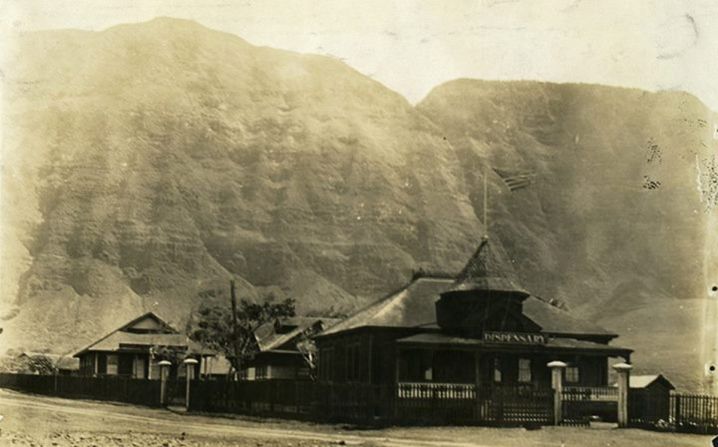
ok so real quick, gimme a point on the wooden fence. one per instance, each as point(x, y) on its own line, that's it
point(406, 403)
point(117, 389)
point(675, 412)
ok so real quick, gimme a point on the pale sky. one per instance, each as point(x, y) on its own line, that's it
point(413, 45)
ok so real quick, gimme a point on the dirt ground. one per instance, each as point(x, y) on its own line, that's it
point(34, 421)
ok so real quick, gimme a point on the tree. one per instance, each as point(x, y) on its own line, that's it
point(308, 348)
point(213, 328)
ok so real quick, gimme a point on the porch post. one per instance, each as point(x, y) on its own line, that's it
point(557, 385)
point(396, 393)
point(477, 384)
point(624, 371)
point(396, 366)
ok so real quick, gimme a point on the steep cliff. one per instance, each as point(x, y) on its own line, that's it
point(616, 221)
point(155, 160)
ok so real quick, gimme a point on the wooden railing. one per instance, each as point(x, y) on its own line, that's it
point(433, 390)
point(592, 393)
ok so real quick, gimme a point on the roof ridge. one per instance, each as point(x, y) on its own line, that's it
point(131, 322)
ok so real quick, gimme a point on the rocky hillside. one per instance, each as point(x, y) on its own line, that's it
point(154, 161)
point(146, 164)
point(617, 221)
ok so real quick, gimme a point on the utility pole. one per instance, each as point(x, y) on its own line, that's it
point(235, 335)
point(486, 204)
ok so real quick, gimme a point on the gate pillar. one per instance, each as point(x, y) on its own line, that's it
point(623, 370)
point(557, 367)
point(190, 363)
point(164, 372)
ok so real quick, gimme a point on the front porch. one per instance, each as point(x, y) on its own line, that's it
point(505, 384)
point(487, 367)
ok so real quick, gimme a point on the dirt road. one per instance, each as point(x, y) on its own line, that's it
point(35, 421)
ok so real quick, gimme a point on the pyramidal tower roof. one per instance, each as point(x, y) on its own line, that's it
point(489, 269)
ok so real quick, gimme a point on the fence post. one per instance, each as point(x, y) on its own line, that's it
point(557, 367)
point(677, 416)
point(623, 370)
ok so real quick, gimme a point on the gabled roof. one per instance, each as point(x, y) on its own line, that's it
point(488, 269)
point(269, 339)
point(642, 381)
point(136, 333)
point(414, 306)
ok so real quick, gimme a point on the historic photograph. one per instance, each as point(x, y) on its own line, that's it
point(397, 223)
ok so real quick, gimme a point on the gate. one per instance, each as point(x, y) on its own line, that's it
point(510, 405)
point(579, 405)
point(175, 392)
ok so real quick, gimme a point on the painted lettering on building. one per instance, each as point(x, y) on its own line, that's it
point(515, 337)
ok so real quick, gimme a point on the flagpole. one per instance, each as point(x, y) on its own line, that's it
point(486, 205)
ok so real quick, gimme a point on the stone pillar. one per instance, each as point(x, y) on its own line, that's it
point(164, 372)
point(623, 370)
point(190, 364)
point(557, 368)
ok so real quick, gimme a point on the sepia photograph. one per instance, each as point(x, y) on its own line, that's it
point(388, 223)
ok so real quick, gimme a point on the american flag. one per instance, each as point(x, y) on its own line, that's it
point(516, 179)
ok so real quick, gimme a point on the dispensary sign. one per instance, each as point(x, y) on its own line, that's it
point(522, 338)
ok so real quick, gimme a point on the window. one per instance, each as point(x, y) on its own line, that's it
point(415, 365)
point(112, 364)
point(260, 372)
point(138, 368)
point(497, 370)
point(524, 370)
point(572, 374)
point(353, 371)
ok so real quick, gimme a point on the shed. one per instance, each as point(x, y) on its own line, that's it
point(649, 397)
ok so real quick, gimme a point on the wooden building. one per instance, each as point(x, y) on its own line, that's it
point(480, 328)
point(134, 350)
point(28, 362)
point(282, 348)
point(649, 397)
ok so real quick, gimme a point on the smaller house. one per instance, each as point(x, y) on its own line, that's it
point(285, 348)
point(135, 349)
point(44, 363)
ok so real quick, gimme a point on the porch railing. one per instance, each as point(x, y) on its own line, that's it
point(434, 390)
point(592, 393)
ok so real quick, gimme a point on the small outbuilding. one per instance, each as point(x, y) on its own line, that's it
point(649, 397)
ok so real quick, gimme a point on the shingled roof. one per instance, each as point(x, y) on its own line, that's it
point(268, 338)
point(414, 306)
point(488, 269)
point(410, 306)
